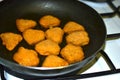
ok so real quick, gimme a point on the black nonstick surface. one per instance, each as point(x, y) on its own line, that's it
point(67, 10)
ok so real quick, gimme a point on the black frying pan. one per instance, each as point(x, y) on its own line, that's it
point(67, 10)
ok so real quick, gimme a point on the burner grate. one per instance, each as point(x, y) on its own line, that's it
point(116, 10)
point(95, 74)
point(2, 72)
point(113, 70)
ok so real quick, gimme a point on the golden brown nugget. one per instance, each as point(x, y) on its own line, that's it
point(72, 53)
point(47, 47)
point(79, 38)
point(49, 21)
point(54, 61)
point(55, 34)
point(72, 26)
point(10, 40)
point(24, 24)
point(26, 57)
point(33, 36)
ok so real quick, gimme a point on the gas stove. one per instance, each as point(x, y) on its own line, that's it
point(106, 64)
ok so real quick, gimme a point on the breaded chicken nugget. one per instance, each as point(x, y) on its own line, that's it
point(49, 21)
point(72, 26)
point(55, 34)
point(26, 57)
point(24, 24)
point(33, 36)
point(10, 40)
point(54, 61)
point(72, 53)
point(79, 38)
point(47, 47)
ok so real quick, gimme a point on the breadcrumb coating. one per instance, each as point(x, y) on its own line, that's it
point(79, 38)
point(55, 34)
point(26, 57)
point(47, 47)
point(24, 24)
point(72, 26)
point(10, 40)
point(54, 61)
point(72, 53)
point(33, 36)
point(49, 21)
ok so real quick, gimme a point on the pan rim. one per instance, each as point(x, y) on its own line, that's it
point(15, 64)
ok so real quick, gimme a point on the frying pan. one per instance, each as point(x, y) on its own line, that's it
point(67, 10)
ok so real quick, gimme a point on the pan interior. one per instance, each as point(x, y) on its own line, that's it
point(67, 10)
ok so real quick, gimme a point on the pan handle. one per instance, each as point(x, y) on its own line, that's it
point(116, 35)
